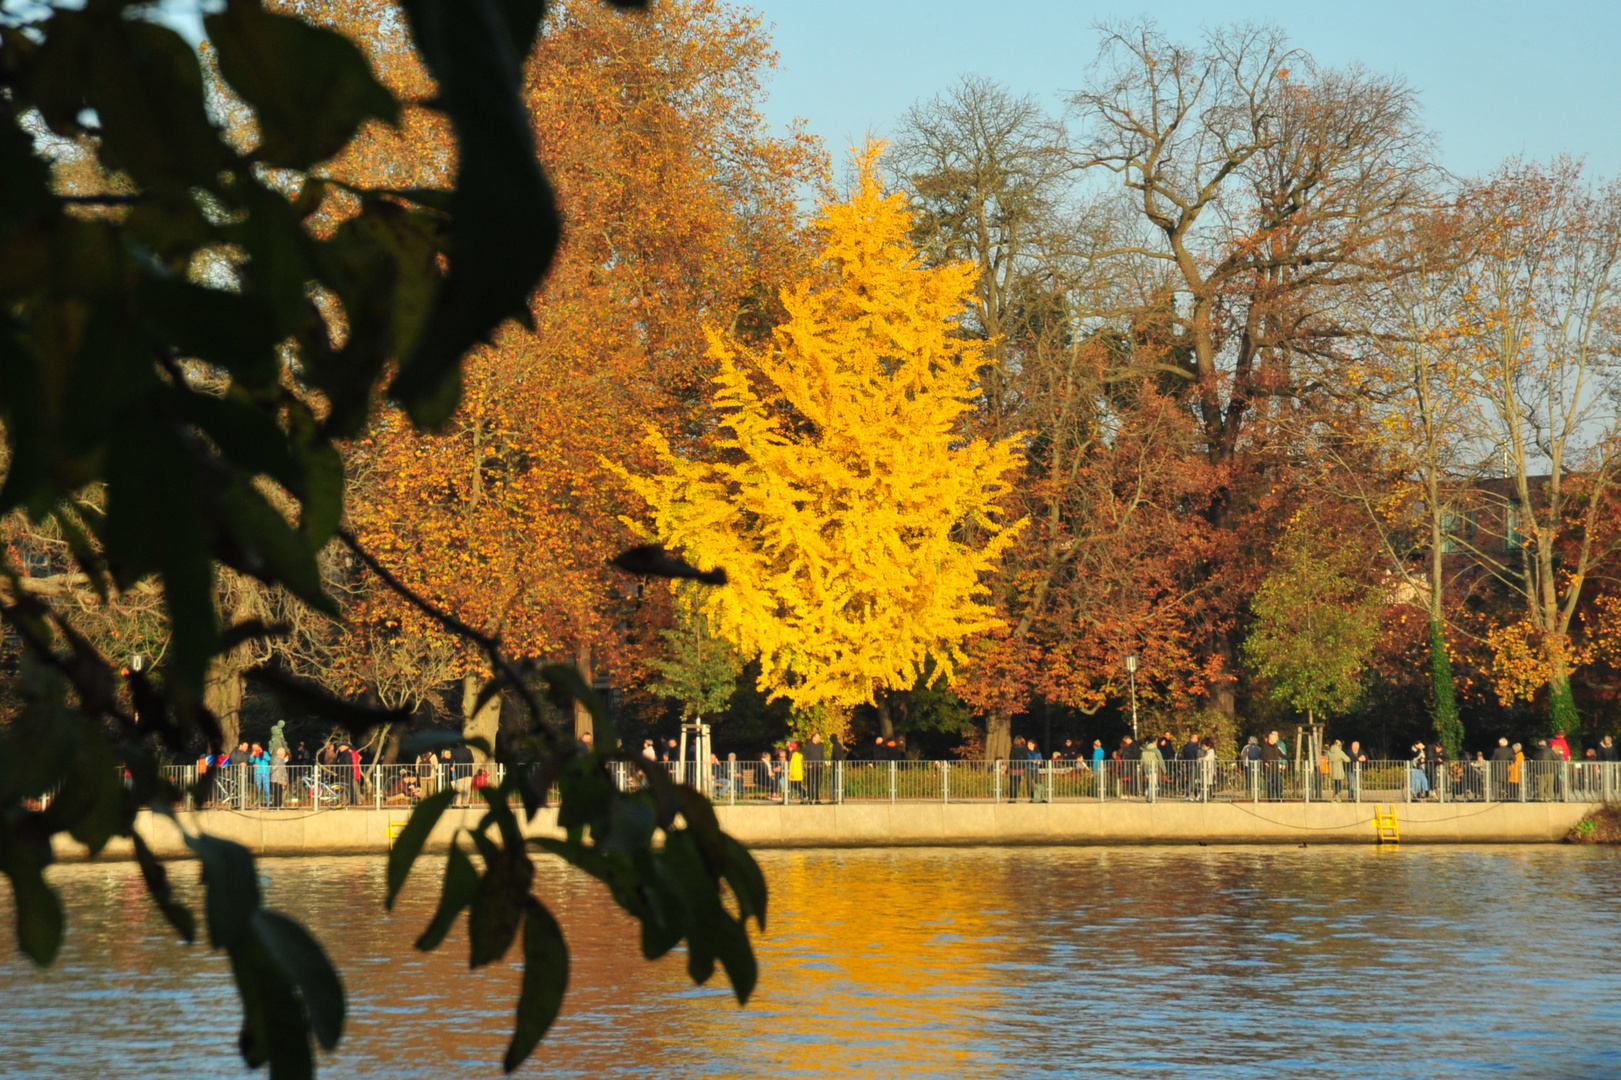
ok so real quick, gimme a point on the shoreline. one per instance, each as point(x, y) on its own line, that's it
point(353, 831)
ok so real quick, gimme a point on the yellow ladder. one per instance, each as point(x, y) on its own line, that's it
point(1384, 824)
point(395, 827)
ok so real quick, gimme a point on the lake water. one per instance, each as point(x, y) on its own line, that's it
point(1170, 962)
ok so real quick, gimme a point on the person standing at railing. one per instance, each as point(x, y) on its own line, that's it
point(815, 759)
point(1015, 767)
point(1153, 761)
point(1207, 768)
point(1502, 764)
point(796, 772)
point(1187, 763)
point(1560, 745)
point(1359, 761)
point(1033, 762)
point(1272, 766)
point(278, 777)
point(1418, 781)
point(1338, 759)
point(1561, 766)
point(1542, 762)
point(348, 761)
point(1131, 766)
point(261, 774)
point(1167, 754)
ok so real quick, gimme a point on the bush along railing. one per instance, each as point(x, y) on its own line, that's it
point(309, 788)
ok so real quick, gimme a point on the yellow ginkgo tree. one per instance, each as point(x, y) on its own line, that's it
point(854, 516)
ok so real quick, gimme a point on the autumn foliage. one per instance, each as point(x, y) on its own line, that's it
point(680, 209)
point(838, 491)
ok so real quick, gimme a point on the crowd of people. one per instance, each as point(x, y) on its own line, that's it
point(338, 774)
point(801, 771)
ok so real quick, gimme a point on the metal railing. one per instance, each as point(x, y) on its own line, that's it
point(329, 787)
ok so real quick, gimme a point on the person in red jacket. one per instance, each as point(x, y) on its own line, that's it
point(1559, 746)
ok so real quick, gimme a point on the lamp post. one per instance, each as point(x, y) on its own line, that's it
point(1131, 669)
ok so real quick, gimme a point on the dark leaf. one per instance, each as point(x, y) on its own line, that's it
point(652, 560)
point(251, 630)
point(408, 845)
point(85, 554)
point(615, 871)
point(699, 815)
point(461, 885)
point(275, 1026)
point(505, 226)
point(156, 521)
point(232, 331)
point(305, 963)
point(743, 874)
point(246, 434)
point(322, 490)
point(420, 742)
point(310, 87)
point(91, 802)
point(22, 408)
point(25, 178)
point(233, 888)
point(497, 908)
point(38, 911)
point(658, 778)
point(147, 88)
point(545, 978)
point(730, 943)
point(157, 886)
point(269, 548)
point(535, 782)
point(565, 686)
point(358, 720)
point(523, 23)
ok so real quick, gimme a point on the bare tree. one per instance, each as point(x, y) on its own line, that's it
point(1400, 436)
point(1265, 187)
point(1545, 294)
point(989, 174)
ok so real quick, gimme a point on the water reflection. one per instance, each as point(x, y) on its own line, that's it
point(1181, 962)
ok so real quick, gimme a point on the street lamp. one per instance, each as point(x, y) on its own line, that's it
point(1131, 669)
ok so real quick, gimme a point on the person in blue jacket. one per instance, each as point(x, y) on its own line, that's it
point(261, 773)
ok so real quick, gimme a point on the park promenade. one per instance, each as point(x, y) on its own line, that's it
point(362, 830)
point(322, 810)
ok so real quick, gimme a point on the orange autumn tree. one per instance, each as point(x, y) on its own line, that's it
point(838, 496)
point(679, 207)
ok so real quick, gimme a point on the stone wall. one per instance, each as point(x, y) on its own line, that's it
point(912, 824)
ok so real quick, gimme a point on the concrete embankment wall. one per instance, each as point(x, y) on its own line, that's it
point(354, 831)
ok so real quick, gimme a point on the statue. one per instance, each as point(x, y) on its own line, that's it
point(277, 740)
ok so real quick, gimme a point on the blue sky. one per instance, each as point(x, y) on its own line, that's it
point(1495, 78)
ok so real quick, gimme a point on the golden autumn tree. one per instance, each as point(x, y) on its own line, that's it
point(679, 205)
point(842, 482)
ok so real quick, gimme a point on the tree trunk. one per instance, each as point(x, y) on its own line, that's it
point(1561, 702)
point(1448, 727)
point(222, 696)
point(1223, 693)
point(485, 722)
point(886, 721)
point(222, 691)
point(583, 725)
point(998, 734)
